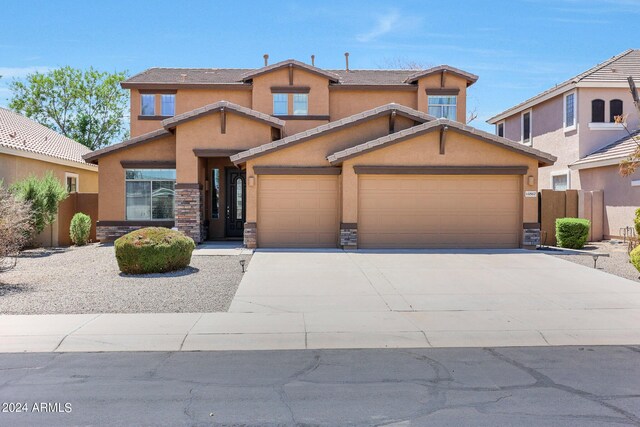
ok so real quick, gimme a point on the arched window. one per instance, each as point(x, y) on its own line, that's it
point(615, 109)
point(597, 111)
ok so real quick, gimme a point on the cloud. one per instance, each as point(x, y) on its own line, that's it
point(21, 72)
point(385, 24)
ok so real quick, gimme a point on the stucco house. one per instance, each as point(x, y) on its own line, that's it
point(574, 121)
point(29, 148)
point(292, 155)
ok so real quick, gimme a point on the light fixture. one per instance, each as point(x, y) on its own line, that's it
point(252, 181)
point(531, 180)
point(242, 264)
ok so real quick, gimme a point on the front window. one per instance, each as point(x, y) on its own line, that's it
point(526, 127)
point(560, 182)
point(570, 110)
point(168, 105)
point(148, 105)
point(280, 104)
point(150, 193)
point(215, 193)
point(615, 109)
point(300, 104)
point(443, 106)
point(597, 111)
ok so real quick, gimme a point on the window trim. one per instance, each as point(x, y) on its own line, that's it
point(72, 175)
point(528, 142)
point(126, 217)
point(563, 172)
point(498, 124)
point(574, 125)
point(153, 95)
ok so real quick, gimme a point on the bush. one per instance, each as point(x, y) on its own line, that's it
point(80, 229)
point(153, 250)
point(636, 222)
point(15, 227)
point(572, 232)
point(634, 257)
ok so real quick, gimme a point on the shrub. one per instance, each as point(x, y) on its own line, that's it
point(634, 257)
point(636, 222)
point(15, 227)
point(153, 250)
point(80, 229)
point(572, 232)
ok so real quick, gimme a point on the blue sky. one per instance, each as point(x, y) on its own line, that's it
point(518, 48)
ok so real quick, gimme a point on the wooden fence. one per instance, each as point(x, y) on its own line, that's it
point(569, 204)
point(86, 203)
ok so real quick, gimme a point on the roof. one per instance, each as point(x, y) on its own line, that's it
point(172, 122)
point(613, 70)
point(545, 159)
point(233, 77)
point(147, 137)
point(610, 154)
point(289, 62)
point(471, 78)
point(330, 127)
point(18, 132)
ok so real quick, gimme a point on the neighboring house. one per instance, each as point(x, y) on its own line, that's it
point(291, 155)
point(29, 148)
point(575, 122)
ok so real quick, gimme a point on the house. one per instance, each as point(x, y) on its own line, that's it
point(29, 148)
point(575, 121)
point(292, 155)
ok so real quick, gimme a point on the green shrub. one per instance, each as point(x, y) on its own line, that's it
point(572, 232)
point(636, 222)
point(44, 194)
point(153, 250)
point(80, 229)
point(634, 257)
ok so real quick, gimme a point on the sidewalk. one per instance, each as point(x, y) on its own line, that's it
point(276, 331)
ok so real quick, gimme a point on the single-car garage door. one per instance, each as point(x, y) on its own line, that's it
point(439, 211)
point(298, 211)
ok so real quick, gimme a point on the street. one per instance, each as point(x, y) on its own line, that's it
point(576, 386)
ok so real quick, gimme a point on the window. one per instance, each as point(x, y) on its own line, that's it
point(526, 128)
point(148, 105)
point(150, 193)
point(500, 129)
point(615, 109)
point(280, 104)
point(443, 106)
point(570, 111)
point(560, 181)
point(300, 104)
point(597, 111)
point(71, 182)
point(168, 105)
point(215, 193)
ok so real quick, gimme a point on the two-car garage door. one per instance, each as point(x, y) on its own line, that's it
point(439, 211)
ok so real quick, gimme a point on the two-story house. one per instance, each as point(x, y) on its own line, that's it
point(298, 156)
point(575, 121)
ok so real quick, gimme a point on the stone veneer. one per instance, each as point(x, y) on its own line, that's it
point(349, 235)
point(250, 235)
point(188, 210)
point(108, 231)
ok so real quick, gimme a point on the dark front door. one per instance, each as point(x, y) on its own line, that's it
point(236, 204)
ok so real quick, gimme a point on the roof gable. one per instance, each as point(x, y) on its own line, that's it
point(290, 63)
point(144, 138)
point(610, 154)
point(172, 122)
point(471, 78)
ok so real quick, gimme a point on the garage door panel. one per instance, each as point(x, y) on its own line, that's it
point(439, 211)
point(298, 211)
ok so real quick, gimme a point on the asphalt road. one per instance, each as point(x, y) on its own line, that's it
point(576, 386)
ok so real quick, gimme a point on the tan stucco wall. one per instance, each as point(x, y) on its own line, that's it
point(344, 103)
point(620, 198)
point(451, 82)
point(111, 200)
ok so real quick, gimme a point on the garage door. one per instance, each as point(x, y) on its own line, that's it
point(439, 211)
point(298, 211)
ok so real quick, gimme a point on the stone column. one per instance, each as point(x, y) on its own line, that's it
point(250, 235)
point(189, 210)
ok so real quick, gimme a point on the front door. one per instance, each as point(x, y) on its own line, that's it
point(236, 204)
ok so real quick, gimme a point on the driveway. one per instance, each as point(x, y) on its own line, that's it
point(446, 298)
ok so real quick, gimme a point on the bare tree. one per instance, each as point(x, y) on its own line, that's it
point(15, 227)
point(400, 63)
point(629, 165)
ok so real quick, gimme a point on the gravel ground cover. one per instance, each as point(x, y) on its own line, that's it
point(617, 263)
point(87, 280)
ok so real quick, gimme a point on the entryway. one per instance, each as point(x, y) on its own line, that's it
point(225, 200)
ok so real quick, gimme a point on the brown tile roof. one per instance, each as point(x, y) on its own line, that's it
point(331, 127)
point(545, 159)
point(193, 76)
point(147, 137)
point(21, 133)
point(613, 70)
point(254, 73)
point(609, 154)
point(471, 78)
point(172, 122)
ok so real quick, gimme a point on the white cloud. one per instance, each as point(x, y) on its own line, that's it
point(385, 24)
point(21, 72)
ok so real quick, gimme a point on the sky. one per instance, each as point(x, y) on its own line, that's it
point(518, 48)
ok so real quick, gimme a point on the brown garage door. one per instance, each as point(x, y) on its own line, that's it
point(439, 211)
point(298, 211)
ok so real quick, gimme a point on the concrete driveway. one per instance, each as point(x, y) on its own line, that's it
point(441, 298)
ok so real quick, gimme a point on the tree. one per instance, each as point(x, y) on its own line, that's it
point(87, 106)
point(15, 227)
point(629, 165)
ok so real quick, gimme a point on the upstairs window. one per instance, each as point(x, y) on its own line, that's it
point(168, 105)
point(597, 111)
point(443, 106)
point(500, 129)
point(300, 104)
point(526, 128)
point(148, 105)
point(570, 111)
point(280, 104)
point(615, 109)
point(560, 182)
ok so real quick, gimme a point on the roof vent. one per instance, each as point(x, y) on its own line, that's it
point(183, 77)
point(346, 59)
point(313, 60)
point(13, 134)
point(266, 59)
